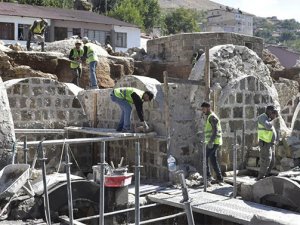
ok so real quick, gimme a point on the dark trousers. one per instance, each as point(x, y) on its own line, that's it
point(30, 35)
point(212, 154)
point(77, 74)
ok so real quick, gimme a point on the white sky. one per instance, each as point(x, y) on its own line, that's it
point(283, 9)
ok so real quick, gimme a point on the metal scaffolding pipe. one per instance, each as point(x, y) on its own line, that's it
point(137, 182)
point(25, 149)
point(69, 187)
point(39, 131)
point(162, 218)
point(117, 212)
point(84, 140)
point(101, 194)
point(204, 166)
point(234, 166)
point(46, 197)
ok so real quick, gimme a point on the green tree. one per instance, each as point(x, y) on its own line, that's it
point(52, 3)
point(128, 11)
point(181, 20)
point(151, 13)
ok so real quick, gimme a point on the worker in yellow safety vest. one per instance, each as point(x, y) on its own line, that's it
point(125, 97)
point(213, 141)
point(76, 65)
point(37, 29)
point(90, 56)
point(267, 137)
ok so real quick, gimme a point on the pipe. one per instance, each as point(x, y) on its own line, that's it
point(162, 218)
point(69, 187)
point(137, 182)
point(46, 197)
point(243, 145)
point(25, 149)
point(204, 166)
point(39, 131)
point(186, 199)
point(102, 171)
point(234, 165)
point(86, 140)
point(13, 153)
point(117, 212)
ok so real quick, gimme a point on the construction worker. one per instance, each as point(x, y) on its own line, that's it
point(266, 139)
point(37, 31)
point(91, 58)
point(76, 65)
point(125, 97)
point(213, 140)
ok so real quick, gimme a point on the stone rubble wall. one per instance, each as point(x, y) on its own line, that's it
point(38, 103)
point(7, 137)
point(180, 48)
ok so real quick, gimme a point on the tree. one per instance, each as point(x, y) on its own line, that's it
point(129, 12)
point(52, 3)
point(151, 13)
point(181, 20)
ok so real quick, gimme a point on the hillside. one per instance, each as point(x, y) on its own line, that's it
point(193, 4)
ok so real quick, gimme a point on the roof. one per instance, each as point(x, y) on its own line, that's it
point(12, 9)
point(230, 10)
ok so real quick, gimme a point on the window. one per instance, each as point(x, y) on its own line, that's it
point(97, 35)
point(121, 40)
point(7, 31)
point(60, 33)
point(23, 32)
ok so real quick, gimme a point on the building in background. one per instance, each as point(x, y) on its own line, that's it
point(15, 20)
point(226, 19)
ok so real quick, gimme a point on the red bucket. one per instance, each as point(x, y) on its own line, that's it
point(117, 180)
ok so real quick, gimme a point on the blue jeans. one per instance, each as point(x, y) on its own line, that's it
point(93, 78)
point(212, 153)
point(126, 111)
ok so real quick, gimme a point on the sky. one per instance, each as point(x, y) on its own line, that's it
point(283, 9)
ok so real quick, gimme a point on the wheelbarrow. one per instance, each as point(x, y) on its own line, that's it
point(13, 178)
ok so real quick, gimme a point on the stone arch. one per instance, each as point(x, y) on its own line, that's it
point(239, 104)
point(277, 191)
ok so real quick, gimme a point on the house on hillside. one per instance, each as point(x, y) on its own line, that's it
point(286, 57)
point(225, 19)
point(15, 20)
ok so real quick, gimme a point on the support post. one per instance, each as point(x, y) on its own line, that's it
point(137, 182)
point(234, 166)
point(46, 197)
point(102, 171)
point(204, 166)
point(186, 200)
point(69, 186)
point(207, 75)
point(167, 111)
point(243, 145)
point(25, 149)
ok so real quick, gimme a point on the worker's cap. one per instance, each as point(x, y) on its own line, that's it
point(205, 105)
point(85, 39)
point(272, 108)
point(78, 42)
point(44, 20)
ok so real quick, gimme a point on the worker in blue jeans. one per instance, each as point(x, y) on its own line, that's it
point(125, 97)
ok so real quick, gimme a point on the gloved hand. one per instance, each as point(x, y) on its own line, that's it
point(145, 125)
point(210, 145)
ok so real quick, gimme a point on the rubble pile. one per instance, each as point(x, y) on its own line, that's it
point(271, 61)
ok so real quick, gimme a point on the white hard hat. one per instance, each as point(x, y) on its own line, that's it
point(85, 39)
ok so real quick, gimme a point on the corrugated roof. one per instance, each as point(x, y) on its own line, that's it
point(12, 9)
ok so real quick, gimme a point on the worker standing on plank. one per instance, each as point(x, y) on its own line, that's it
point(125, 97)
point(266, 139)
point(213, 141)
point(37, 31)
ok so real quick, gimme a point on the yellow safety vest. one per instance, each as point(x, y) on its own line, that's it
point(38, 28)
point(264, 134)
point(125, 93)
point(91, 55)
point(208, 130)
point(74, 64)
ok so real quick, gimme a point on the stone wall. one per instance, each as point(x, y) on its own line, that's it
point(7, 136)
point(38, 103)
point(180, 48)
